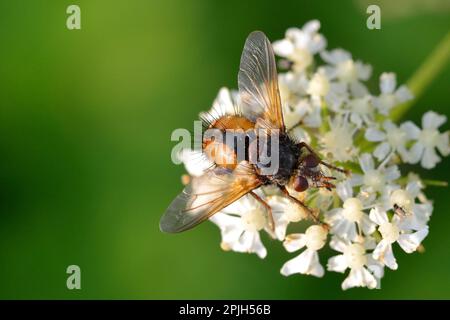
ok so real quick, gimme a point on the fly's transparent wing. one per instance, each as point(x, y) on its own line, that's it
point(258, 81)
point(208, 194)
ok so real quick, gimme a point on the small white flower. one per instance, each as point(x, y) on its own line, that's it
point(364, 270)
point(284, 211)
point(240, 224)
point(360, 110)
point(300, 45)
point(351, 218)
point(347, 71)
point(337, 143)
point(374, 180)
point(302, 112)
point(394, 231)
point(429, 138)
point(308, 261)
point(312, 117)
point(393, 139)
point(296, 106)
point(390, 97)
point(319, 85)
point(292, 87)
point(322, 89)
point(414, 215)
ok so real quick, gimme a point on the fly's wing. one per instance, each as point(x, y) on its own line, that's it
point(258, 81)
point(206, 195)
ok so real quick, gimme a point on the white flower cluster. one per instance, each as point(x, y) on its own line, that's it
point(327, 105)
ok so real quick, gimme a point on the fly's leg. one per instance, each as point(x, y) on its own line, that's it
point(311, 214)
point(326, 164)
point(269, 210)
point(324, 183)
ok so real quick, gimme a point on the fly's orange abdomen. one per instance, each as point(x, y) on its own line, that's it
point(233, 123)
point(220, 154)
point(223, 153)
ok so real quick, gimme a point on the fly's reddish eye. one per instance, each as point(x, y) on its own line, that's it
point(300, 184)
point(310, 161)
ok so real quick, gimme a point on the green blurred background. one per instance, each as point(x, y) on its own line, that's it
point(85, 124)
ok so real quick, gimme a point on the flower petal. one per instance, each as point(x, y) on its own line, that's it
point(356, 119)
point(403, 94)
point(416, 152)
point(283, 48)
point(382, 150)
point(443, 144)
point(367, 226)
point(337, 263)
point(311, 26)
point(388, 82)
point(356, 179)
point(383, 253)
point(281, 224)
point(389, 259)
point(360, 277)
point(344, 190)
point(305, 263)
point(344, 228)
point(430, 158)
point(432, 120)
point(366, 162)
point(294, 242)
point(412, 131)
point(413, 188)
point(375, 267)
point(230, 227)
point(392, 173)
point(335, 56)
point(418, 219)
point(250, 242)
point(388, 125)
point(375, 135)
point(380, 249)
point(409, 242)
point(338, 244)
point(378, 216)
point(364, 70)
point(423, 211)
point(358, 90)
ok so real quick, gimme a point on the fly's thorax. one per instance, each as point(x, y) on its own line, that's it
point(283, 160)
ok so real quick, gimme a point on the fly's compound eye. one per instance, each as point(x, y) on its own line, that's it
point(310, 161)
point(300, 184)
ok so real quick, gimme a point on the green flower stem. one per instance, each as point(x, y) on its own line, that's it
point(435, 183)
point(425, 75)
point(325, 114)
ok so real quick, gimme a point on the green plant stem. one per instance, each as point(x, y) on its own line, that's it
point(425, 75)
point(325, 125)
point(435, 183)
